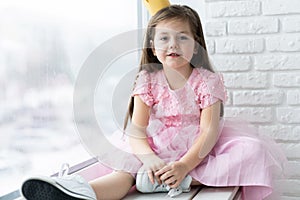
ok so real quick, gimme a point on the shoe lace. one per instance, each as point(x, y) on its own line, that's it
point(64, 170)
point(175, 192)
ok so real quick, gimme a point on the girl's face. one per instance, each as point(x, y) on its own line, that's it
point(173, 44)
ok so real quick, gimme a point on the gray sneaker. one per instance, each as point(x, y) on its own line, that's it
point(64, 187)
point(144, 185)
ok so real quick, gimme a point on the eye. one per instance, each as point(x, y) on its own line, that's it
point(183, 37)
point(163, 38)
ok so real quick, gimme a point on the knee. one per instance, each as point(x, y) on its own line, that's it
point(252, 147)
point(125, 176)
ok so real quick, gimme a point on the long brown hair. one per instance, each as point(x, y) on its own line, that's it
point(149, 61)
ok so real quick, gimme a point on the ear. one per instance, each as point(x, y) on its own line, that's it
point(152, 47)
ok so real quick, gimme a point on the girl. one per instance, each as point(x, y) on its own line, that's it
point(177, 134)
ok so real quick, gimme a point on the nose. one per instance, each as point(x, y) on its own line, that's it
point(173, 43)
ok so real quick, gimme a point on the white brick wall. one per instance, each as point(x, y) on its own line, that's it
point(256, 45)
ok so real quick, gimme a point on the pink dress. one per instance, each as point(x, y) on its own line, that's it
point(239, 158)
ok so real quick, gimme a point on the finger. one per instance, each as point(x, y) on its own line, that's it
point(166, 176)
point(150, 175)
point(174, 185)
point(170, 181)
point(158, 179)
point(163, 170)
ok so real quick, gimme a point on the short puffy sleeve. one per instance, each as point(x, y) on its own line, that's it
point(142, 88)
point(210, 89)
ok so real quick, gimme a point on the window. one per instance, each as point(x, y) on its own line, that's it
point(43, 45)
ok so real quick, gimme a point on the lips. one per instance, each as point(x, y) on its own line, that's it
point(173, 54)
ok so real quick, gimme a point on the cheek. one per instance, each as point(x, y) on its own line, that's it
point(189, 53)
point(193, 48)
point(160, 57)
point(160, 47)
point(160, 51)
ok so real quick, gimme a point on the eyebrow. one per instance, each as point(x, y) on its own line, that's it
point(185, 32)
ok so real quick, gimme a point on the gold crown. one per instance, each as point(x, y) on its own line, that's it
point(155, 5)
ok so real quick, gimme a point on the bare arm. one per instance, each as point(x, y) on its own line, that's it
point(138, 139)
point(209, 127)
point(137, 130)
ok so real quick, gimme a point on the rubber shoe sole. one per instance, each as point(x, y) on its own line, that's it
point(40, 190)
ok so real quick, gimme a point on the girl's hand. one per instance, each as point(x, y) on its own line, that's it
point(152, 163)
point(173, 173)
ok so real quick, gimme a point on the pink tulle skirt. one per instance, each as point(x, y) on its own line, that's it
point(240, 157)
